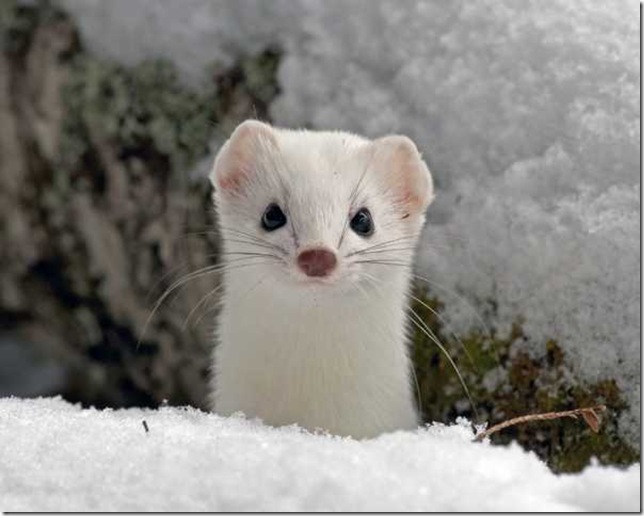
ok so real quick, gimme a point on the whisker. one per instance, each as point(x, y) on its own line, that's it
point(422, 326)
point(204, 313)
point(231, 301)
point(254, 238)
point(212, 255)
point(459, 297)
point(440, 318)
point(395, 263)
point(430, 334)
point(419, 400)
point(242, 233)
point(194, 275)
point(250, 253)
point(184, 279)
point(381, 244)
point(387, 250)
point(169, 273)
point(195, 308)
point(383, 261)
point(248, 236)
point(377, 283)
point(250, 243)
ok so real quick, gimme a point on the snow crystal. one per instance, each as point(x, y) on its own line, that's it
point(55, 456)
point(527, 113)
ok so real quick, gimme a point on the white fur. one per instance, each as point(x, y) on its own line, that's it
point(326, 354)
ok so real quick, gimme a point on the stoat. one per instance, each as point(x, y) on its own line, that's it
point(319, 231)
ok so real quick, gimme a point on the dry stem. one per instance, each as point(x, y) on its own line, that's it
point(591, 415)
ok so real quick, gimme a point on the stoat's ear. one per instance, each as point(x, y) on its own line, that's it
point(402, 168)
point(238, 158)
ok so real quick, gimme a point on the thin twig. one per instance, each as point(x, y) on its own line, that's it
point(591, 415)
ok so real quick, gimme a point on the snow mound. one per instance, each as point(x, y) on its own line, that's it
point(55, 456)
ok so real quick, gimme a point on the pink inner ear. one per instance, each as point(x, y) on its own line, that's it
point(410, 201)
point(233, 171)
point(409, 174)
point(233, 181)
point(235, 168)
point(237, 160)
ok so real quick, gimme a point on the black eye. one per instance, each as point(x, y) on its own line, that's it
point(362, 223)
point(273, 218)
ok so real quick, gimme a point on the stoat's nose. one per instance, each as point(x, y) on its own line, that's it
point(317, 263)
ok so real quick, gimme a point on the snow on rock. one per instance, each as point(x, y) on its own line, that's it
point(55, 456)
point(527, 113)
point(193, 34)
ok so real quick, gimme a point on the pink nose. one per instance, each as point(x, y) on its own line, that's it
point(317, 262)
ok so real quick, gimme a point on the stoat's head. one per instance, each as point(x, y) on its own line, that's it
point(319, 209)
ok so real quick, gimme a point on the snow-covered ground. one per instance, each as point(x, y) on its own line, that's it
point(527, 113)
point(55, 456)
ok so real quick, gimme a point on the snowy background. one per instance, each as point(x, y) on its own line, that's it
point(527, 113)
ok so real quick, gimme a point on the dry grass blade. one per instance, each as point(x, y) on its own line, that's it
point(591, 415)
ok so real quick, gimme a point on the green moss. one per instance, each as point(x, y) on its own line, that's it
point(505, 383)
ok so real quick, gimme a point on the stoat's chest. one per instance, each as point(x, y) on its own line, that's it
point(319, 365)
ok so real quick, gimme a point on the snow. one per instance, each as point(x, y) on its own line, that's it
point(194, 34)
point(527, 113)
point(56, 456)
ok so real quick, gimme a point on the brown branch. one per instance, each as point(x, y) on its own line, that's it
point(591, 415)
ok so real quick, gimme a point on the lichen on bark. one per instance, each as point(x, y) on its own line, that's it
point(99, 212)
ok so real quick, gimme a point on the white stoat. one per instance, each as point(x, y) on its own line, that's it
point(319, 230)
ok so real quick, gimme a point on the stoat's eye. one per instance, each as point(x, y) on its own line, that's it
point(273, 217)
point(362, 223)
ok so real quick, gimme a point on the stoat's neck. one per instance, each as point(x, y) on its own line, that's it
point(293, 315)
point(337, 362)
